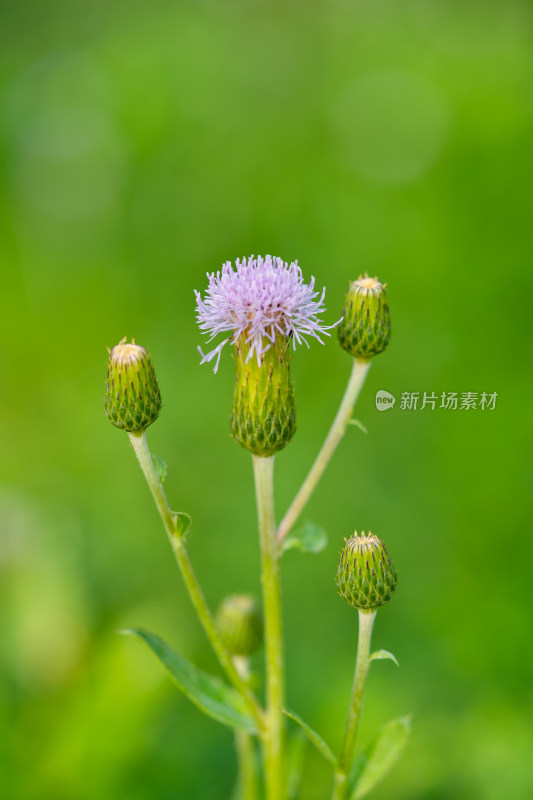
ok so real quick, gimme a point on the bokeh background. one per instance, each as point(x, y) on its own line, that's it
point(142, 145)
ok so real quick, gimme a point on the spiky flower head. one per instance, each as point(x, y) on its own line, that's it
point(132, 396)
point(263, 304)
point(240, 624)
point(365, 330)
point(366, 577)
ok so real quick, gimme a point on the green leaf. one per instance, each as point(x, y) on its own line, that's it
point(160, 467)
point(379, 655)
point(309, 538)
point(358, 424)
point(323, 748)
point(378, 757)
point(214, 697)
point(183, 522)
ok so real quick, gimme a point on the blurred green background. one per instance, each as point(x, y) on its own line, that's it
point(143, 144)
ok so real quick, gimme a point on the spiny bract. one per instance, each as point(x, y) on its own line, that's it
point(364, 330)
point(366, 577)
point(132, 396)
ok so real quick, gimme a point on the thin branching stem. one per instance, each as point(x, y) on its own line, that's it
point(198, 600)
point(336, 432)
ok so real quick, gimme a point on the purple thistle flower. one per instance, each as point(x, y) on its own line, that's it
point(262, 298)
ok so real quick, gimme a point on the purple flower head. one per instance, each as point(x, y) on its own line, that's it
point(261, 299)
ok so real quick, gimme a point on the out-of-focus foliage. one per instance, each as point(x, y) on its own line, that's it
point(143, 144)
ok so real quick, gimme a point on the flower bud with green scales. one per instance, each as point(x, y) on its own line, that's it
point(366, 577)
point(240, 624)
point(365, 329)
point(265, 305)
point(263, 418)
point(132, 396)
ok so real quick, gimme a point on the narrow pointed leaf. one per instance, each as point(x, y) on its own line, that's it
point(214, 697)
point(309, 538)
point(379, 655)
point(323, 748)
point(358, 424)
point(378, 757)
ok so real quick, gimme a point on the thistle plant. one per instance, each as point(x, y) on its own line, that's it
point(365, 326)
point(240, 624)
point(366, 579)
point(132, 397)
point(263, 308)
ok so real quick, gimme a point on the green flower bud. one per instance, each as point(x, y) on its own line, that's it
point(132, 397)
point(240, 624)
point(364, 330)
point(263, 419)
point(366, 577)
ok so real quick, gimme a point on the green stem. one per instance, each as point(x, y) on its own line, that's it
point(336, 432)
point(271, 583)
point(177, 543)
point(366, 622)
point(244, 745)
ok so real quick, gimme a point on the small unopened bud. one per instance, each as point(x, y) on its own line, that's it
point(364, 330)
point(366, 577)
point(132, 397)
point(263, 419)
point(240, 624)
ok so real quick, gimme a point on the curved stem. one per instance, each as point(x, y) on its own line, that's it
point(366, 622)
point(270, 577)
point(177, 543)
point(336, 432)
